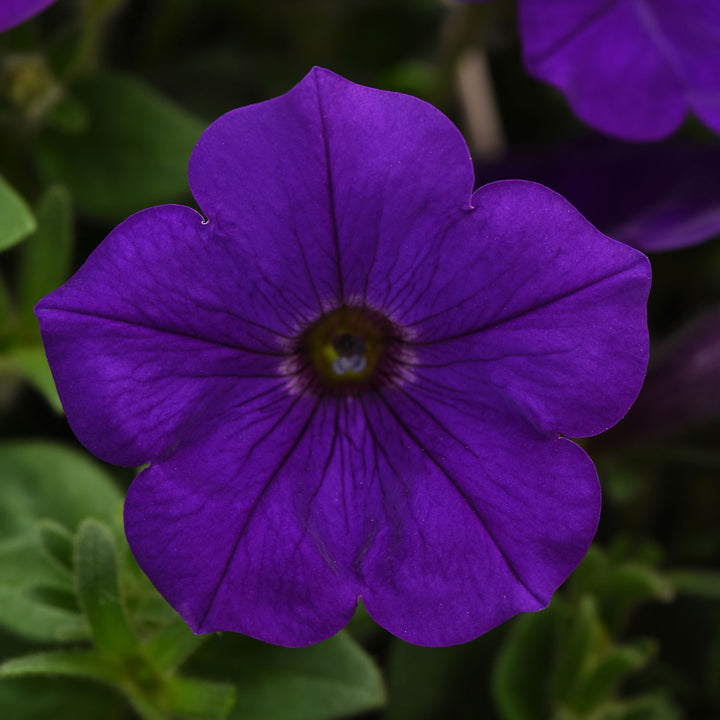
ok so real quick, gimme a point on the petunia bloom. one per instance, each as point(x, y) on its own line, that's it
point(14, 12)
point(655, 197)
point(355, 378)
point(630, 68)
point(682, 389)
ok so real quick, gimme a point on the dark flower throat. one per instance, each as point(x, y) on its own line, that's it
point(348, 351)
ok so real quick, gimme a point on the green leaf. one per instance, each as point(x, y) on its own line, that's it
point(45, 260)
point(86, 664)
point(521, 678)
point(5, 311)
point(44, 480)
point(29, 362)
point(428, 672)
point(426, 683)
point(75, 663)
point(38, 621)
point(38, 482)
point(24, 570)
point(24, 563)
point(17, 220)
point(610, 670)
point(172, 645)
point(618, 585)
point(699, 583)
point(99, 591)
point(188, 698)
point(57, 543)
point(332, 679)
point(578, 644)
point(648, 707)
point(133, 154)
point(58, 698)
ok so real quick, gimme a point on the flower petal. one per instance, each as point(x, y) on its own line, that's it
point(151, 318)
point(689, 32)
point(682, 388)
point(536, 302)
point(274, 522)
point(487, 516)
point(327, 179)
point(14, 12)
point(259, 525)
point(610, 62)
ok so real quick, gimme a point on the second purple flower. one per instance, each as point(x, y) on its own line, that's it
point(630, 68)
point(354, 379)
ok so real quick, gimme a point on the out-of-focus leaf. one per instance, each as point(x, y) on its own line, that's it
point(38, 621)
point(5, 306)
point(68, 115)
point(86, 664)
point(38, 481)
point(199, 699)
point(99, 591)
point(649, 707)
point(44, 480)
point(16, 220)
point(419, 679)
point(700, 583)
point(171, 645)
point(74, 663)
point(522, 674)
point(60, 698)
point(579, 642)
point(415, 77)
point(45, 260)
point(25, 568)
point(332, 679)
point(133, 154)
point(619, 585)
point(57, 543)
point(602, 681)
point(29, 362)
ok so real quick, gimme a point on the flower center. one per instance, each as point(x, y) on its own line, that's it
point(348, 351)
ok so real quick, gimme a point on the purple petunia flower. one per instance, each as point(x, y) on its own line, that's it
point(656, 197)
point(630, 68)
point(354, 378)
point(14, 12)
point(682, 389)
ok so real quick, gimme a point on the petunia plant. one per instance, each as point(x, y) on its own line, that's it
point(354, 378)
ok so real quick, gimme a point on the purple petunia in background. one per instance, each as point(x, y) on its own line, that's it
point(630, 68)
point(14, 12)
point(655, 197)
point(355, 378)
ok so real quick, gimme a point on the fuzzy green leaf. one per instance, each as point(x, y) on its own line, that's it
point(44, 486)
point(62, 698)
point(133, 154)
point(171, 646)
point(99, 591)
point(699, 583)
point(75, 663)
point(522, 673)
point(29, 362)
point(45, 259)
point(332, 679)
point(188, 698)
point(17, 220)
